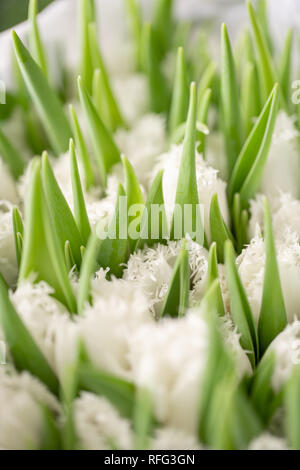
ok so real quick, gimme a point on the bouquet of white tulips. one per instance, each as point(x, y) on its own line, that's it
point(150, 239)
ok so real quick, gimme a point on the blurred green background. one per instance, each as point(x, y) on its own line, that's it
point(13, 12)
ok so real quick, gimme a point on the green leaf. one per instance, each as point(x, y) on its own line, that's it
point(272, 317)
point(87, 270)
point(87, 16)
point(63, 220)
point(50, 438)
point(163, 23)
point(206, 81)
point(218, 228)
point(213, 288)
point(245, 422)
point(218, 361)
point(105, 100)
point(158, 89)
point(178, 135)
point(233, 131)
point(135, 20)
point(262, 15)
point(240, 308)
point(119, 392)
point(82, 150)
point(180, 97)
point(143, 420)
point(18, 230)
point(106, 152)
point(114, 249)
point(35, 41)
point(151, 220)
point(249, 167)
point(42, 253)
point(187, 194)
point(134, 197)
point(48, 105)
point(262, 393)
point(203, 118)
point(285, 67)
point(69, 257)
point(240, 223)
point(80, 211)
point(292, 409)
point(25, 353)
point(264, 60)
point(177, 297)
point(250, 96)
point(11, 156)
point(212, 300)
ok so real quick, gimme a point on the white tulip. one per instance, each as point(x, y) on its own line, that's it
point(106, 327)
point(169, 358)
point(282, 170)
point(99, 425)
point(151, 270)
point(251, 263)
point(21, 417)
point(49, 323)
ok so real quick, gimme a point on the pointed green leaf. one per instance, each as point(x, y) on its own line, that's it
point(213, 288)
point(180, 97)
point(154, 228)
point(230, 103)
point(106, 151)
point(249, 167)
point(88, 267)
point(262, 392)
point(105, 101)
point(134, 197)
point(218, 228)
point(250, 96)
point(240, 220)
point(50, 438)
point(203, 118)
point(87, 16)
point(206, 81)
point(262, 15)
point(69, 257)
point(272, 317)
point(25, 353)
point(82, 150)
point(219, 361)
point(35, 41)
point(42, 253)
point(135, 20)
point(18, 230)
point(285, 67)
point(60, 211)
point(114, 249)
point(264, 60)
point(80, 211)
point(245, 421)
point(163, 23)
point(187, 194)
point(177, 297)
point(292, 409)
point(158, 88)
point(11, 156)
point(240, 308)
point(48, 106)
